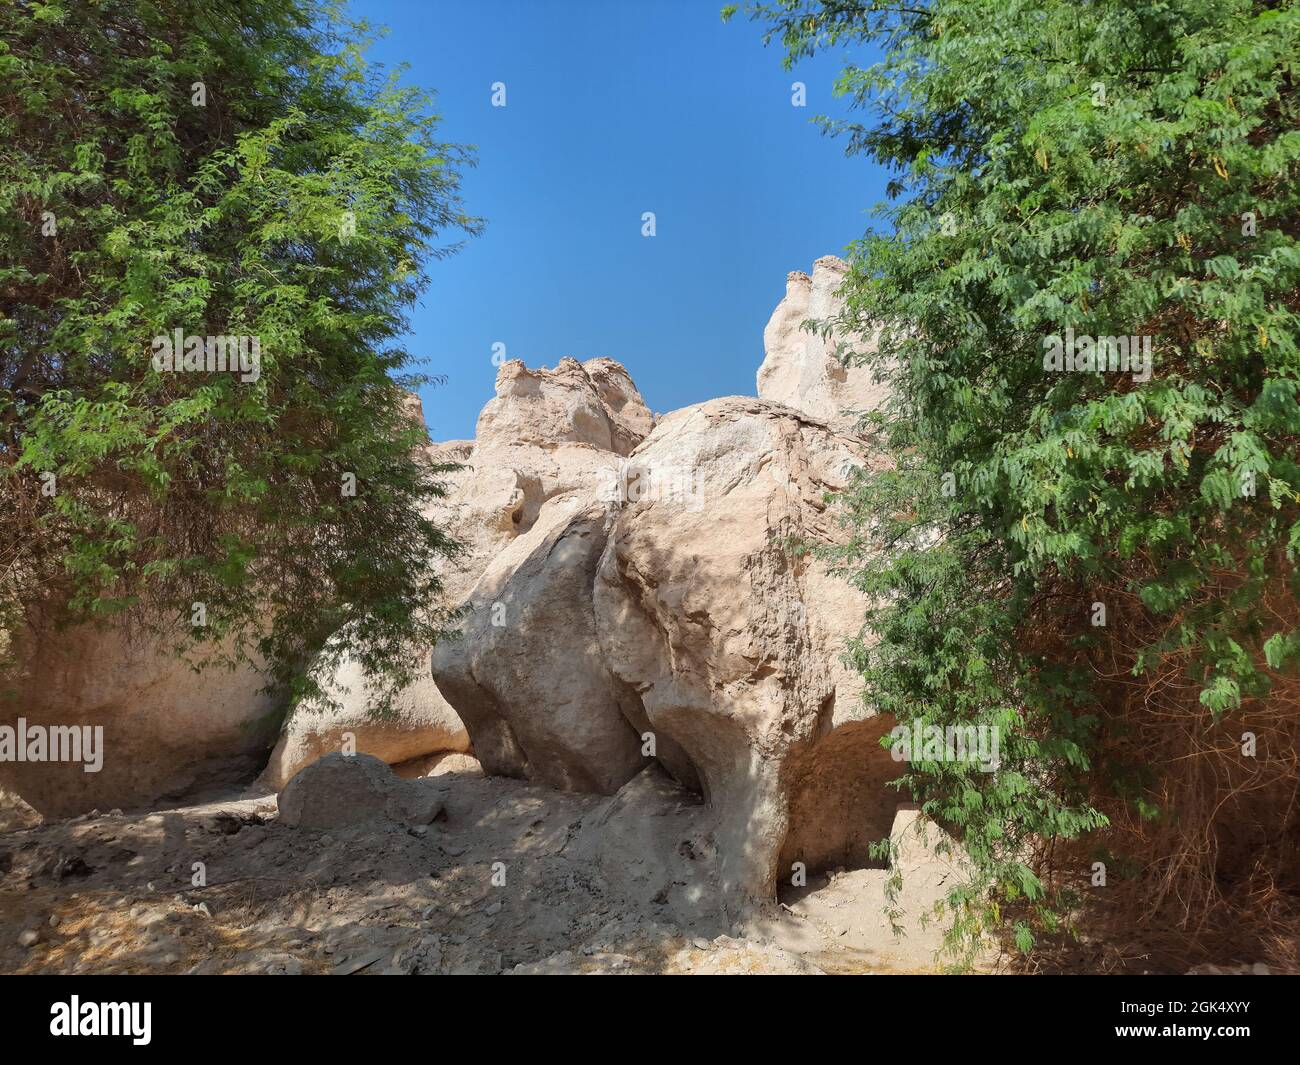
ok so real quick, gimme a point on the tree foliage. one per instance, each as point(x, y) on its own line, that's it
point(1115, 169)
point(231, 169)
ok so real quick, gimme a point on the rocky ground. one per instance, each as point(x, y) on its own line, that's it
point(574, 891)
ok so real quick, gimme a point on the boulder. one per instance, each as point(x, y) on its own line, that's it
point(15, 813)
point(527, 675)
point(733, 640)
point(342, 791)
point(800, 368)
point(439, 765)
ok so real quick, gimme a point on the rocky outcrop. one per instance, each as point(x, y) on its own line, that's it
point(171, 733)
point(592, 403)
point(545, 434)
point(420, 722)
point(664, 607)
point(168, 732)
point(16, 813)
point(527, 675)
point(643, 619)
point(732, 636)
point(800, 367)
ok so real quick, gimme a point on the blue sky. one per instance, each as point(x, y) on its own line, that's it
point(614, 108)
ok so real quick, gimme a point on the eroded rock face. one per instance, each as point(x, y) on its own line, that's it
point(592, 403)
point(527, 675)
point(733, 641)
point(168, 732)
point(622, 580)
point(16, 813)
point(671, 602)
point(546, 434)
point(800, 368)
point(420, 722)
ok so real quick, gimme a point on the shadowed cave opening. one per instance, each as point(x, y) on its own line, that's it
point(840, 801)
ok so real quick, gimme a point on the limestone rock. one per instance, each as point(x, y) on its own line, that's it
point(343, 791)
point(841, 919)
point(800, 368)
point(439, 765)
point(592, 403)
point(419, 723)
point(545, 434)
point(15, 813)
point(527, 675)
point(168, 732)
point(733, 642)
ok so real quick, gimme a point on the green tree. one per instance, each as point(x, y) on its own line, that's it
point(231, 169)
point(1112, 169)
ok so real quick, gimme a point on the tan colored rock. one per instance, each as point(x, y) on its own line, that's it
point(440, 765)
point(346, 791)
point(544, 434)
point(734, 643)
point(592, 403)
point(419, 722)
point(800, 368)
point(16, 813)
point(527, 675)
point(839, 921)
point(168, 732)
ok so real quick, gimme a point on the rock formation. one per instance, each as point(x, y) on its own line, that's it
point(667, 604)
point(646, 632)
point(643, 619)
point(419, 723)
point(732, 635)
point(16, 813)
point(343, 791)
point(527, 676)
point(800, 368)
point(168, 732)
point(544, 434)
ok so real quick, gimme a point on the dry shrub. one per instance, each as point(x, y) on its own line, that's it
point(1214, 875)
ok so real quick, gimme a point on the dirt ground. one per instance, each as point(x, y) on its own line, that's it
point(509, 878)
